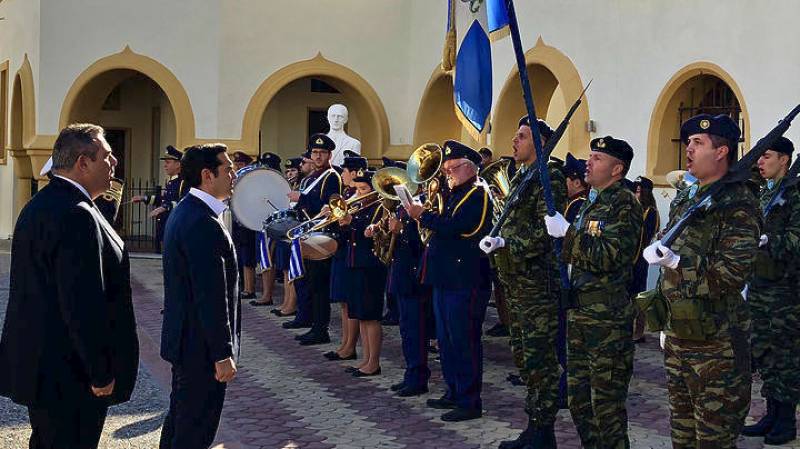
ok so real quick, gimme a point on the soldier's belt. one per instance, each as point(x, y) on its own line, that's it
point(609, 298)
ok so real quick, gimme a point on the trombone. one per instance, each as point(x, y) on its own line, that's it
point(339, 208)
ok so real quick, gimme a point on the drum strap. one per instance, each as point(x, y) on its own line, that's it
point(322, 176)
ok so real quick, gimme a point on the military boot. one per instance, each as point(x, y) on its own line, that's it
point(764, 425)
point(785, 428)
point(543, 438)
point(523, 439)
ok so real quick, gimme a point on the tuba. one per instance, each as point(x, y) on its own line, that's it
point(383, 183)
point(495, 175)
point(424, 167)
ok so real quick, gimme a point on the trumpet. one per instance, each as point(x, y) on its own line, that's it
point(339, 208)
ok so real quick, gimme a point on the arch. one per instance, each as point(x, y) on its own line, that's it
point(555, 76)
point(663, 124)
point(436, 118)
point(22, 134)
point(111, 67)
point(374, 121)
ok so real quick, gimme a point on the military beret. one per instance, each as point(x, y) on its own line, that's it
point(293, 162)
point(172, 153)
point(718, 125)
point(364, 176)
point(457, 150)
point(645, 183)
point(355, 163)
point(350, 153)
point(630, 185)
point(544, 129)
point(613, 147)
point(320, 141)
point(574, 167)
point(271, 160)
point(242, 157)
point(783, 145)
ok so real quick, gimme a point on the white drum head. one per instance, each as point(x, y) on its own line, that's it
point(318, 246)
point(257, 193)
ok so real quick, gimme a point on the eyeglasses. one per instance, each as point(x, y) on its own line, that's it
point(318, 151)
point(447, 171)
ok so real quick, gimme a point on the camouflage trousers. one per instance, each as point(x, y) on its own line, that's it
point(533, 326)
point(709, 390)
point(599, 369)
point(775, 342)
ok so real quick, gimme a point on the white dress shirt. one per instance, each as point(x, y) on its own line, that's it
point(216, 205)
point(76, 184)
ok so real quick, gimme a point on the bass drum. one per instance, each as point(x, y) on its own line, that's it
point(257, 193)
point(318, 246)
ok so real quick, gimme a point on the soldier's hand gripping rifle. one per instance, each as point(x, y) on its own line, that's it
point(738, 173)
point(789, 180)
point(533, 175)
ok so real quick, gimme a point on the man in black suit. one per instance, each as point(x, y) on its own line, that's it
point(69, 347)
point(200, 334)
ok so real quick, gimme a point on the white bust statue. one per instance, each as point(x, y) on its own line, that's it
point(337, 117)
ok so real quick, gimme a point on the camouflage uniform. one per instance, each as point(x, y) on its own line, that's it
point(773, 299)
point(707, 354)
point(601, 246)
point(528, 272)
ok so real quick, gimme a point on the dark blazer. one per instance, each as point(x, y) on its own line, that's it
point(69, 322)
point(313, 201)
point(202, 310)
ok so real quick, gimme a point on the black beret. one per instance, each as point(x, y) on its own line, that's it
point(574, 167)
point(320, 141)
point(271, 160)
point(613, 147)
point(644, 182)
point(783, 145)
point(172, 153)
point(718, 125)
point(544, 129)
point(293, 162)
point(364, 176)
point(241, 156)
point(457, 150)
point(630, 185)
point(393, 163)
point(355, 163)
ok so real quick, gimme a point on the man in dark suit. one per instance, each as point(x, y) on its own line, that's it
point(200, 334)
point(69, 347)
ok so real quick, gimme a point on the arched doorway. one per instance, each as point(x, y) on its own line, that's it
point(292, 102)
point(21, 132)
point(556, 85)
point(436, 118)
point(698, 88)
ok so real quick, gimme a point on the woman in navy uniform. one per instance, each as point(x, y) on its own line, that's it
point(245, 242)
point(459, 273)
point(281, 252)
point(643, 189)
point(340, 272)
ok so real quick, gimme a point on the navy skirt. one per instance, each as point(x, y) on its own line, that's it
point(280, 256)
point(365, 302)
point(340, 280)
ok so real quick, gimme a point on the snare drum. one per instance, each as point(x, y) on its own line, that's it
point(257, 193)
point(280, 222)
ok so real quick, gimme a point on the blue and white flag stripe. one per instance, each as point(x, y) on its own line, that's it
point(264, 255)
point(296, 268)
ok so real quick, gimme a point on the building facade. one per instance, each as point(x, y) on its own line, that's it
point(258, 75)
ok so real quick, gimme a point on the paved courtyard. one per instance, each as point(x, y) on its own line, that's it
point(287, 396)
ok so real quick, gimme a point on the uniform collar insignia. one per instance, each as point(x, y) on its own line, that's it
point(593, 195)
point(693, 190)
point(770, 184)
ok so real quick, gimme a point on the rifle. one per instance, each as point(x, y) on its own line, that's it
point(738, 173)
point(533, 175)
point(789, 180)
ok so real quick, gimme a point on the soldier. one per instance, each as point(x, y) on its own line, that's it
point(773, 300)
point(170, 196)
point(643, 189)
point(706, 351)
point(459, 273)
point(577, 189)
point(321, 185)
point(601, 246)
point(528, 272)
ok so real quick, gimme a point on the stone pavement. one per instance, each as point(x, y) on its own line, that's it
point(287, 396)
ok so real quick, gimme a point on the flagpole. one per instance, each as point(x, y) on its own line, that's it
point(544, 175)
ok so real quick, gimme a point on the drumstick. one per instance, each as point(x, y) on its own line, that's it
point(270, 203)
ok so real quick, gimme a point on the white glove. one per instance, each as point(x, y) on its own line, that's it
point(763, 241)
point(557, 225)
point(489, 244)
point(667, 258)
point(662, 339)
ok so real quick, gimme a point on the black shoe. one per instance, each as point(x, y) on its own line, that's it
point(398, 386)
point(248, 295)
point(521, 441)
point(275, 312)
point(441, 404)
point(409, 392)
point(282, 315)
point(515, 380)
point(260, 304)
point(350, 369)
point(360, 373)
point(785, 428)
point(543, 438)
point(306, 335)
point(294, 324)
point(498, 330)
point(764, 425)
point(330, 355)
point(334, 356)
point(462, 414)
point(318, 339)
